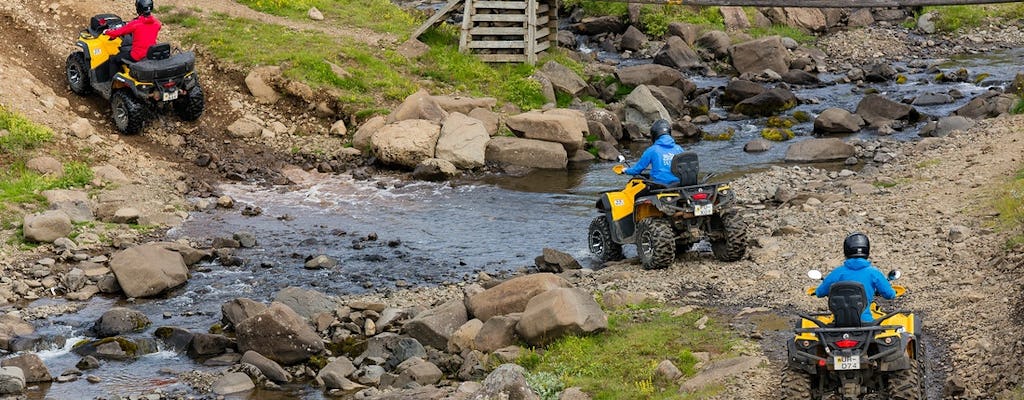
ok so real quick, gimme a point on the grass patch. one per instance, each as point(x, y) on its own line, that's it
point(21, 134)
point(1009, 203)
point(620, 363)
point(18, 185)
point(376, 15)
point(953, 18)
point(1018, 107)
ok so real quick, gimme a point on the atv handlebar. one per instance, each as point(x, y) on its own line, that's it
point(900, 290)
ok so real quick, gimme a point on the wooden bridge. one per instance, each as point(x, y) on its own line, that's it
point(517, 30)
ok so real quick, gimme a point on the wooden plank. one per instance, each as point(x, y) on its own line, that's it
point(553, 24)
point(531, 32)
point(488, 30)
point(542, 33)
point(501, 57)
point(542, 9)
point(497, 44)
point(504, 5)
point(434, 19)
point(467, 23)
point(542, 20)
point(499, 18)
point(816, 3)
point(542, 45)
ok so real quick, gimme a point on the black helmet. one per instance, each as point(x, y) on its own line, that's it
point(143, 7)
point(856, 245)
point(660, 127)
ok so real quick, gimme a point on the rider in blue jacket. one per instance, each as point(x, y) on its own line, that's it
point(659, 155)
point(856, 248)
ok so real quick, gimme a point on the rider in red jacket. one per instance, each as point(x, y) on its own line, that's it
point(143, 29)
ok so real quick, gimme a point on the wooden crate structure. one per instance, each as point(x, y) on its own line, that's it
point(508, 31)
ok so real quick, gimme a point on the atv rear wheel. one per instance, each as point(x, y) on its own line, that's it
point(656, 243)
point(905, 384)
point(732, 245)
point(795, 385)
point(77, 73)
point(190, 107)
point(599, 240)
point(129, 113)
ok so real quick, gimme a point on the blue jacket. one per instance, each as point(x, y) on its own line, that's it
point(860, 270)
point(659, 157)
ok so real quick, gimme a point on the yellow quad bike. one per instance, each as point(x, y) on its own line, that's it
point(137, 91)
point(835, 355)
point(666, 220)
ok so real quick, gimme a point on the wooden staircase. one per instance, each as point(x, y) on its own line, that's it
point(503, 31)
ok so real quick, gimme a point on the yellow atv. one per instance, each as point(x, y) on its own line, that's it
point(835, 355)
point(663, 221)
point(137, 91)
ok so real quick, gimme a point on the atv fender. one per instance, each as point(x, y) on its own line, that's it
point(801, 360)
point(131, 85)
point(899, 358)
point(85, 49)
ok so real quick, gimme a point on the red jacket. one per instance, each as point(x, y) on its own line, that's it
point(144, 30)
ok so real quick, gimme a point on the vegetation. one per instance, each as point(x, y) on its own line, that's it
point(954, 18)
point(777, 134)
point(376, 15)
point(1009, 203)
point(22, 134)
point(620, 363)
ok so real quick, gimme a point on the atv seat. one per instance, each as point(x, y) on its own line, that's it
point(150, 70)
point(847, 300)
point(685, 167)
point(159, 51)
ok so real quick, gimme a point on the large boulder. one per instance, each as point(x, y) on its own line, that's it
point(244, 128)
point(688, 32)
point(598, 25)
point(464, 105)
point(417, 370)
point(735, 18)
point(988, 105)
point(563, 79)
point(306, 302)
point(148, 270)
point(279, 334)
point(633, 39)
point(407, 142)
point(231, 383)
point(512, 296)
point(335, 374)
point(46, 226)
point(878, 110)
point(946, 125)
point(716, 42)
point(677, 54)
point(526, 153)
point(768, 103)
point(235, 311)
point(810, 19)
point(435, 169)
point(649, 74)
point(12, 381)
point(738, 90)
point(568, 127)
point(506, 381)
point(31, 365)
point(609, 120)
point(463, 141)
point(257, 81)
point(642, 109)
point(118, 321)
point(760, 54)
point(559, 312)
point(268, 367)
point(498, 332)
point(435, 326)
point(419, 105)
point(12, 326)
point(837, 120)
point(815, 150)
point(361, 139)
point(74, 203)
point(45, 165)
point(673, 99)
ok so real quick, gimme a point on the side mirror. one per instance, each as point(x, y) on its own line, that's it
point(894, 275)
point(814, 274)
point(622, 158)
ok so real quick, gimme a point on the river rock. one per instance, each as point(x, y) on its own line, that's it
point(244, 128)
point(463, 141)
point(231, 383)
point(512, 295)
point(837, 120)
point(110, 174)
point(506, 381)
point(768, 103)
point(609, 120)
point(687, 31)
point(931, 99)
point(31, 366)
point(12, 381)
point(677, 54)
point(946, 125)
point(526, 153)
point(148, 270)
point(760, 54)
point(208, 344)
point(715, 41)
point(320, 262)
point(649, 74)
point(880, 72)
point(178, 339)
point(361, 139)
point(335, 373)
point(279, 334)
point(667, 373)
point(672, 99)
point(633, 39)
point(74, 203)
point(270, 369)
point(45, 165)
point(642, 109)
point(568, 127)
point(46, 226)
point(598, 25)
point(435, 169)
point(758, 145)
point(488, 118)
point(860, 17)
point(392, 349)
point(556, 261)
point(811, 19)
point(407, 142)
point(119, 321)
point(245, 239)
point(464, 105)
point(417, 370)
point(498, 332)
point(418, 106)
point(558, 312)
point(800, 77)
point(306, 302)
point(116, 348)
point(877, 110)
point(987, 105)
point(735, 18)
point(738, 90)
point(818, 150)
point(256, 82)
point(435, 326)
point(464, 337)
point(562, 78)
point(235, 311)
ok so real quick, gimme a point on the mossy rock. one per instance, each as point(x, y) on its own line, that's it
point(317, 362)
point(802, 116)
point(727, 135)
point(777, 134)
point(217, 329)
point(351, 346)
point(901, 79)
point(780, 122)
point(981, 77)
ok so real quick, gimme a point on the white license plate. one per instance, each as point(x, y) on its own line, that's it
point(168, 96)
point(847, 363)
point(706, 209)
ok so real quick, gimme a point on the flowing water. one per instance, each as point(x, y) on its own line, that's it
point(427, 233)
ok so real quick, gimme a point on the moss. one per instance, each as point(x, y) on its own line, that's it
point(981, 77)
point(217, 329)
point(780, 122)
point(901, 79)
point(802, 116)
point(777, 134)
point(141, 323)
point(129, 347)
point(317, 362)
point(939, 77)
point(727, 135)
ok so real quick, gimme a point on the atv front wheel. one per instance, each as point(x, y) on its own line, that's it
point(656, 243)
point(77, 73)
point(733, 242)
point(905, 384)
point(129, 113)
point(190, 107)
point(795, 385)
point(599, 239)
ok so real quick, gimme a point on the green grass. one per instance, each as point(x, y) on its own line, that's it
point(18, 185)
point(620, 363)
point(22, 134)
point(1009, 202)
point(377, 15)
point(1018, 107)
point(953, 18)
